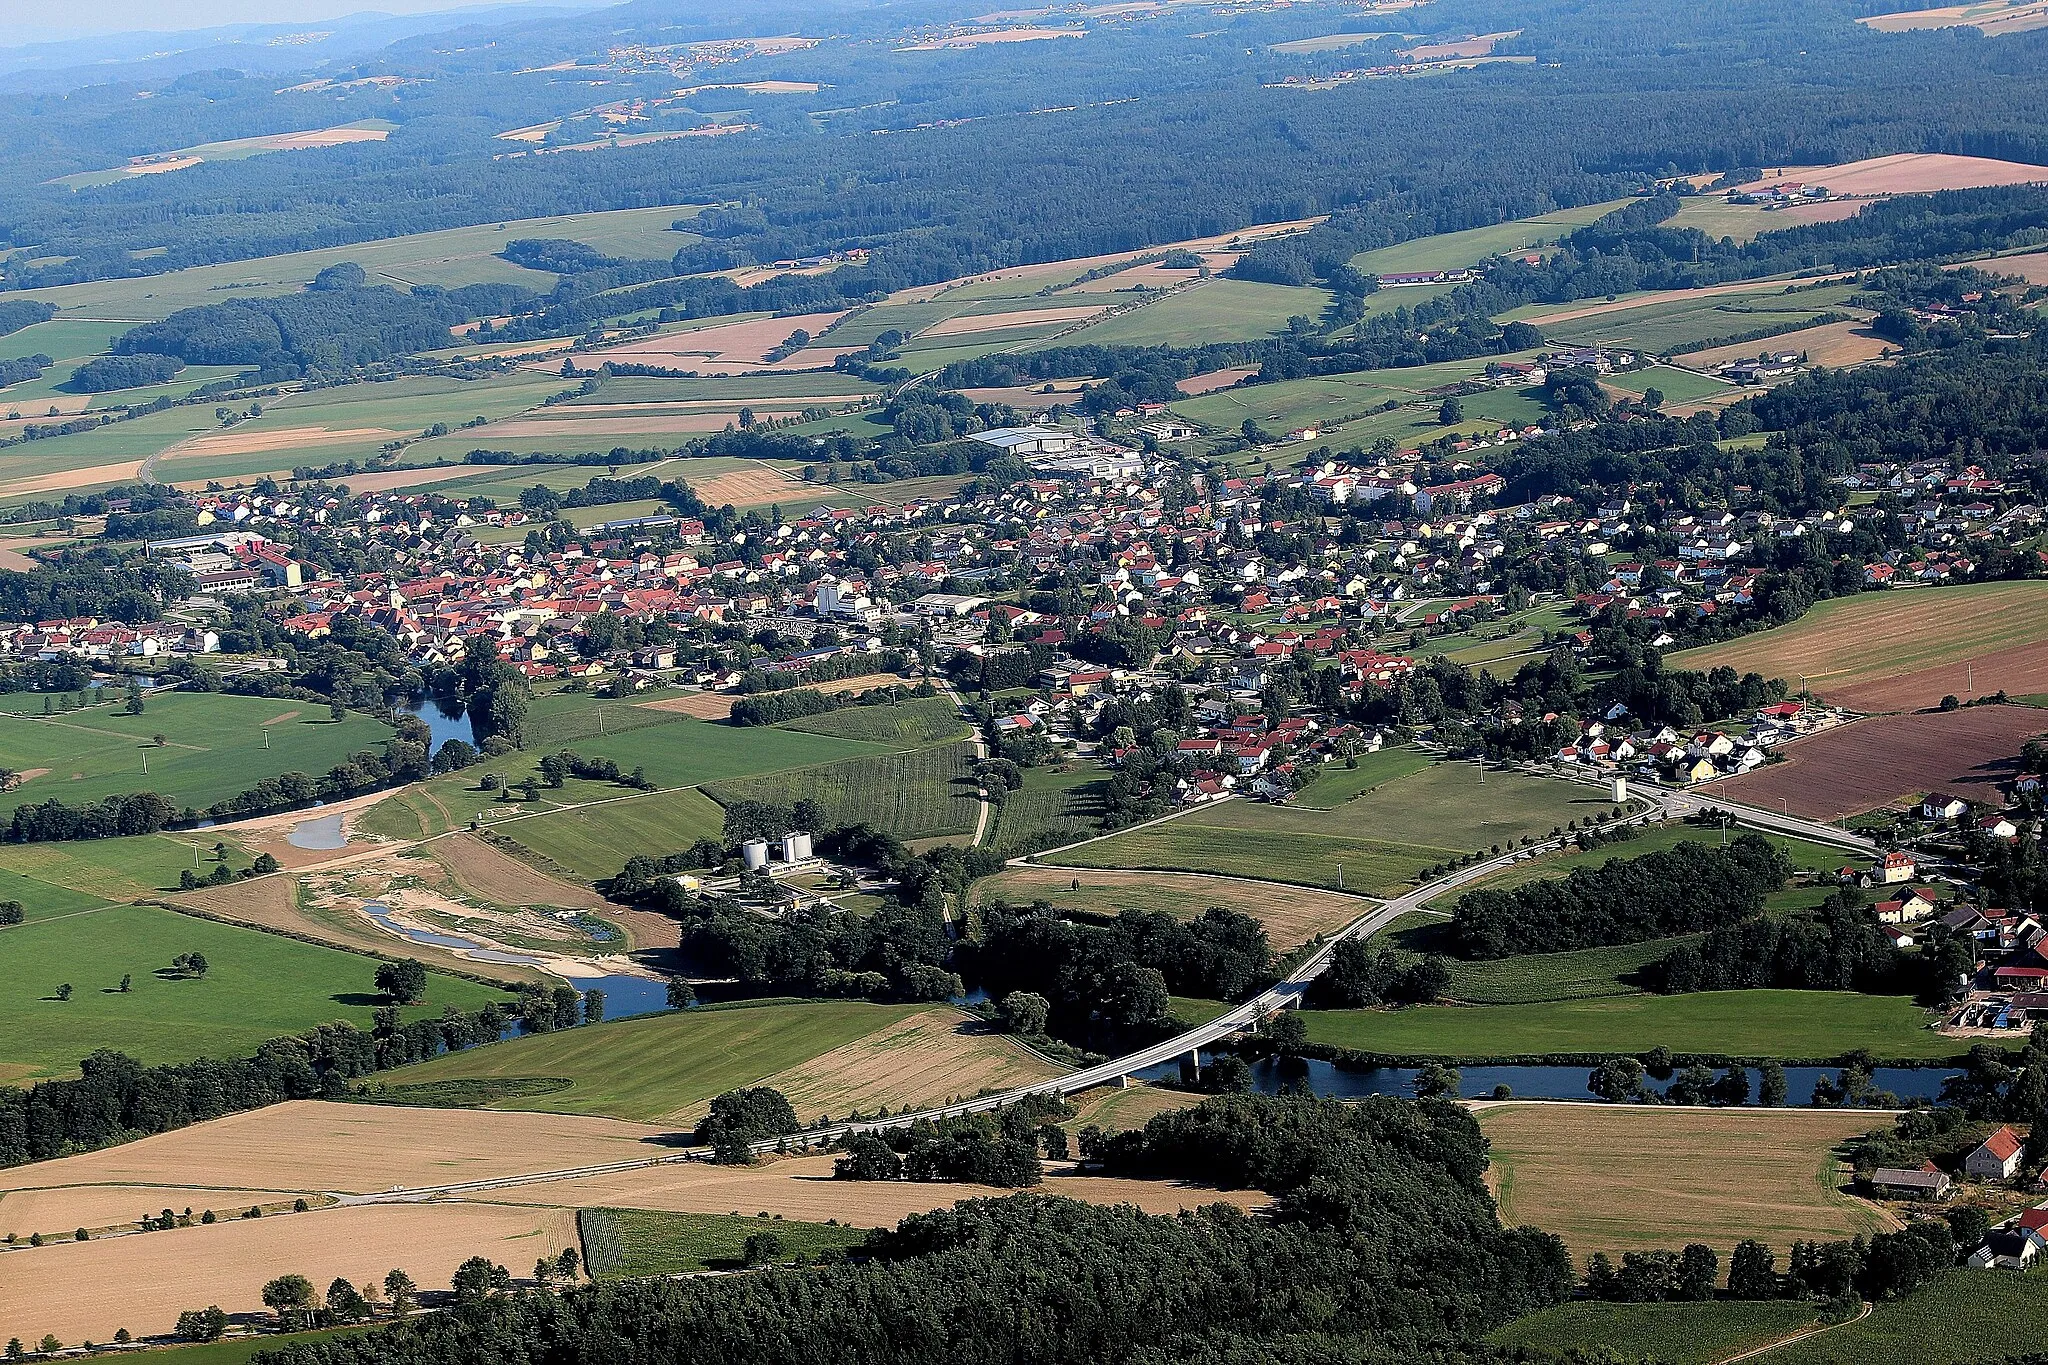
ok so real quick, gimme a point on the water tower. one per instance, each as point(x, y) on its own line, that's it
point(1620, 789)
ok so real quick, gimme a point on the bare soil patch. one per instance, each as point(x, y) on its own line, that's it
point(1871, 763)
point(484, 870)
point(926, 1059)
point(1292, 915)
point(803, 1187)
point(2020, 671)
point(737, 342)
point(312, 1146)
point(1194, 386)
point(1916, 173)
point(161, 1274)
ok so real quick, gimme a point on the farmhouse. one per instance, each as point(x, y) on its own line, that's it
point(1997, 1157)
point(1891, 1182)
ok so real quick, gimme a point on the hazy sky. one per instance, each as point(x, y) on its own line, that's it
point(28, 21)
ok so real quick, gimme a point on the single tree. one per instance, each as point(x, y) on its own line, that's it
point(478, 1279)
point(64, 991)
point(127, 982)
point(404, 981)
point(593, 1005)
point(290, 1297)
point(681, 994)
point(401, 1291)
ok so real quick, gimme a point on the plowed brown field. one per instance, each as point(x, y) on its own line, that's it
point(1884, 759)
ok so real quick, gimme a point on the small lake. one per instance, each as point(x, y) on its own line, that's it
point(625, 995)
point(1547, 1082)
point(444, 720)
point(322, 831)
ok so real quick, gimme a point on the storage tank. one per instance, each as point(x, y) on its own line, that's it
point(1620, 789)
point(754, 854)
point(796, 846)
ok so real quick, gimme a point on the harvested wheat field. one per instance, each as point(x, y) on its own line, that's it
point(751, 487)
point(1902, 649)
point(2030, 266)
point(240, 441)
point(145, 1281)
point(736, 342)
point(59, 1211)
point(1992, 20)
point(923, 1060)
point(1478, 46)
point(1915, 173)
point(1885, 760)
point(802, 1187)
point(63, 480)
point(313, 1147)
point(1030, 398)
point(579, 427)
point(969, 324)
point(486, 871)
point(1292, 915)
point(1626, 1179)
point(1836, 344)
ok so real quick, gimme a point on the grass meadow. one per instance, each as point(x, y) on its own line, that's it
point(257, 986)
point(924, 794)
point(1671, 1333)
point(1755, 1023)
point(657, 1243)
point(922, 721)
point(657, 1065)
point(594, 841)
point(1963, 1318)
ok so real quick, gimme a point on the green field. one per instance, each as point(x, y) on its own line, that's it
point(1677, 386)
point(920, 721)
point(1454, 250)
point(1348, 404)
point(656, 1065)
point(214, 747)
point(1762, 1023)
point(1583, 974)
point(655, 1243)
point(1669, 1333)
point(1655, 327)
point(924, 794)
point(1217, 310)
point(1054, 806)
point(1380, 840)
point(112, 869)
point(1965, 1317)
point(593, 842)
point(240, 1350)
point(257, 987)
point(1334, 783)
point(1806, 856)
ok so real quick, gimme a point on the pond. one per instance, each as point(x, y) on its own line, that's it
point(625, 995)
point(445, 720)
point(1547, 1082)
point(322, 831)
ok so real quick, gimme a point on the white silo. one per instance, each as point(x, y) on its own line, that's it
point(1620, 789)
point(754, 854)
point(796, 846)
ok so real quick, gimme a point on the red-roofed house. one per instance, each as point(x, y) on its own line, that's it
point(1997, 1157)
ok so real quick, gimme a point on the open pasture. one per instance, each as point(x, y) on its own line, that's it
point(1899, 650)
point(1216, 310)
point(1671, 1333)
point(1292, 915)
point(257, 986)
point(1758, 1023)
point(1880, 760)
point(1717, 217)
point(923, 794)
point(662, 1067)
point(1456, 250)
point(656, 1243)
point(1615, 1180)
point(214, 746)
point(1654, 323)
point(234, 149)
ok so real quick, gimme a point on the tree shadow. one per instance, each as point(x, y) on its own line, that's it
point(360, 998)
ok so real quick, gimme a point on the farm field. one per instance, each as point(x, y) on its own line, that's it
point(1455, 250)
point(802, 1187)
point(215, 747)
point(1874, 762)
point(1292, 915)
point(1381, 840)
point(1673, 1333)
point(594, 841)
point(1628, 1179)
point(235, 149)
point(1837, 344)
point(1717, 218)
point(1963, 1318)
point(1656, 323)
point(920, 721)
point(1678, 386)
point(654, 1243)
point(1806, 856)
point(1992, 19)
point(1055, 805)
point(163, 1274)
point(1914, 173)
point(257, 987)
point(309, 1146)
point(1899, 650)
point(1349, 403)
point(657, 1067)
point(923, 794)
point(136, 868)
point(1218, 310)
point(1759, 1023)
